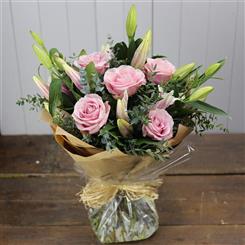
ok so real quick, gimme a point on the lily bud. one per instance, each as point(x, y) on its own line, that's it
point(201, 93)
point(211, 70)
point(73, 74)
point(142, 51)
point(131, 23)
point(125, 128)
point(43, 57)
point(38, 40)
point(46, 106)
point(42, 86)
point(122, 105)
point(183, 71)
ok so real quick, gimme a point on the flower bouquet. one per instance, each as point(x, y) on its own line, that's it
point(121, 116)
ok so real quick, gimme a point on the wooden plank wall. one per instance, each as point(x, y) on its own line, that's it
point(185, 31)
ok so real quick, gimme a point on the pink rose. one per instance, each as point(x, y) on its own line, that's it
point(91, 113)
point(159, 70)
point(160, 126)
point(100, 60)
point(117, 80)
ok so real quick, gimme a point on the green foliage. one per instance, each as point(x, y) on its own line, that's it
point(36, 102)
point(205, 107)
point(202, 122)
point(186, 82)
point(123, 54)
point(92, 77)
point(65, 121)
point(55, 96)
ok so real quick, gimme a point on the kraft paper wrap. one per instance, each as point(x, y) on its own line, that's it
point(107, 167)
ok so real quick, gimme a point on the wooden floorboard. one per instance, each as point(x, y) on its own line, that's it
point(182, 200)
point(83, 235)
point(201, 201)
point(215, 154)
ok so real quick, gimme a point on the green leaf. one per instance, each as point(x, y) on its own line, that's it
point(205, 107)
point(158, 56)
point(55, 95)
point(70, 86)
point(92, 75)
point(82, 52)
point(120, 50)
point(138, 42)
point(54, 52)
point(131, 50)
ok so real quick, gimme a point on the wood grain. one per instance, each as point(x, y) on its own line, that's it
point(183, 201)
point(200, 202)
point(170, 235)
point(215, 154)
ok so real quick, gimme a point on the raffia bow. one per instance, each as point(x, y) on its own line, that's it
point(97, 193)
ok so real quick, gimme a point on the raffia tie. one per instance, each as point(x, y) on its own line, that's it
point(97, 193)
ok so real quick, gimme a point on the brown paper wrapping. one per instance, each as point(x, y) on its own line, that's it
point(101, 165)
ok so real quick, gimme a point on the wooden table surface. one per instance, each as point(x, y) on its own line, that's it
point(201, 202)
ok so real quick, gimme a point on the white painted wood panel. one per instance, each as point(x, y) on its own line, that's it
point(194, 33)
point(185, 31)
point(167, 19)
point(220, 45)
point(236, 105)
point(13, 117)
point(27, 61)
point(109, 20)
point(82, 26)
point(54, 24)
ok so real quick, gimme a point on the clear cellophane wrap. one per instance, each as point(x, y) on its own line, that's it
point(121, 189)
